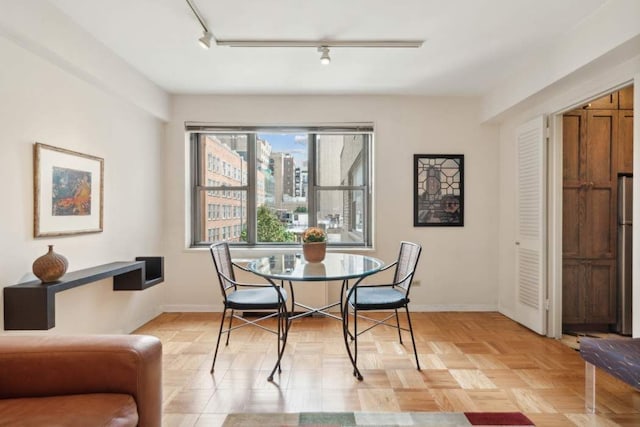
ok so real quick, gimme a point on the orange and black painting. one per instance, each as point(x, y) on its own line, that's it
point(71, 192)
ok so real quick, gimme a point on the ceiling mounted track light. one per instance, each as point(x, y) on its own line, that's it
point(324, 58)
point(322, 45)
point(205, 40)
point(207, 36)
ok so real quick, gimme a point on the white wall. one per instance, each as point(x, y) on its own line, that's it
point(42, 100)
point(458, 268)
point(612, 30)
point(41, 28)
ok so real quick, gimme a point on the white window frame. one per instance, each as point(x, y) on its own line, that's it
point(193, 131)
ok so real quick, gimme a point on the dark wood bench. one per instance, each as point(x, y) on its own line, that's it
point(617, 357)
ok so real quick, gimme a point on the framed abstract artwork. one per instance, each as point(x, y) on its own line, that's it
point(68, 192)
point(438, 192)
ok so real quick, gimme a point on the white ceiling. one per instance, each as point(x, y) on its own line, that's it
point(470, 45)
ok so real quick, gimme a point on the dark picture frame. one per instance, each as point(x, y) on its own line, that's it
point(68, 192)
point(438, 190)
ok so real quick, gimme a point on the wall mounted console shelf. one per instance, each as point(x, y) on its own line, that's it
point(31, 305)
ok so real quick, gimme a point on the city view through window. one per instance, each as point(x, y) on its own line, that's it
point(257, 188)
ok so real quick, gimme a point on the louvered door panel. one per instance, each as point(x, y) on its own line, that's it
point(531, 229)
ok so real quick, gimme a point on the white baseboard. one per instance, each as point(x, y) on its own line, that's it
point(507, 312)
point(191, 308)
point(451, 307)
point(197, 308)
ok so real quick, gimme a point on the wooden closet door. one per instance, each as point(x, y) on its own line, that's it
point(590, 154)
point(573, 291)
point(625, 98)
point(607, 102)
point(589, 291)
point(600, 185)
point(573, 128)
point(601, 291)
point(625, 141)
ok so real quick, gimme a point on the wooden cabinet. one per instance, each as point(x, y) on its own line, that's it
point(625, 98)
point(597, 146)
point(589, 292)
point(625, 141)
point(607, 102)
point(590, 153)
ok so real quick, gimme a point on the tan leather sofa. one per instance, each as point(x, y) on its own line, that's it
point(89, 380)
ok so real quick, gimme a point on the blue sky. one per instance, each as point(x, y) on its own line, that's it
point(294, 144)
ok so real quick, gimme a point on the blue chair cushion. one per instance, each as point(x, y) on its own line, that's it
point(261, 298)
point(618, 357)
point(378, 298)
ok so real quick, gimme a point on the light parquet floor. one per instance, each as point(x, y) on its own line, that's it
point(470, 362)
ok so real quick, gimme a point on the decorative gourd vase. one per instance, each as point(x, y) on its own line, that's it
point(314, 251)
point(50, 266)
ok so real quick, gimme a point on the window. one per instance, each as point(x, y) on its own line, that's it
point(266, 186)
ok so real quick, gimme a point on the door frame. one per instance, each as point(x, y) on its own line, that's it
point(554, 224)
point(554, 211)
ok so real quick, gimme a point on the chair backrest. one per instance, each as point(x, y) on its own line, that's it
point(222, 262)
point(407, 263)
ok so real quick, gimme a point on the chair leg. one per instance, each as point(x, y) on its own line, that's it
point(413, 341)
point(343, 289)
point(215, 353)
point(356, 371)
point(279, 336)
point(283, 330)
point(398, 326)
point(346, 335)
point(230, 321)
point(346, 321)
point(286, 324)
point(344, 308)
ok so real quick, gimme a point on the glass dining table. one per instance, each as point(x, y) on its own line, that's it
point(343, 267)
point(335, 267)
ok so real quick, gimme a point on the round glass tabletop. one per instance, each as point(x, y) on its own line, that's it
point(336, 266)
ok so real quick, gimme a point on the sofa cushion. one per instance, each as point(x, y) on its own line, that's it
point(81, 410)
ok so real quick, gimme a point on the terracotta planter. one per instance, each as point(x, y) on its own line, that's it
point(50, 266)
point(314, 251)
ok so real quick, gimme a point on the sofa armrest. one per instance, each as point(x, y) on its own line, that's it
point(52, 365)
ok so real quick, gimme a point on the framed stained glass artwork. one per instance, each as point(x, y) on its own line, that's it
point(438, 192)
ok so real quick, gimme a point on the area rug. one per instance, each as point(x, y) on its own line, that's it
point(378, 419)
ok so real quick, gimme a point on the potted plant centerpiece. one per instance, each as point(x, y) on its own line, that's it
point(314, 244)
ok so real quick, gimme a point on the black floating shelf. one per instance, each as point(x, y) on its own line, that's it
point(31, 305)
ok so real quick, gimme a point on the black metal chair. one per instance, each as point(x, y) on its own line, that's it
point(391, 296)
point(237, 296)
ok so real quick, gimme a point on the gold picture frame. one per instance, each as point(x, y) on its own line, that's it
point(68, 192)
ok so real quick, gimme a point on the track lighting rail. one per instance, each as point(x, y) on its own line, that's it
point(322, 45)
